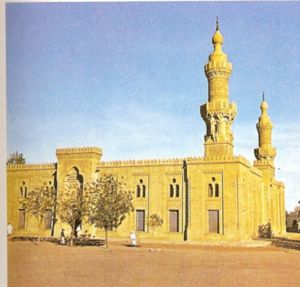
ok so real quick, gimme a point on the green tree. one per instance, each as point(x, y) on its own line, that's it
point(155, 221)
point(38, 201)
point(72, 207)
point(109, 203)
point(16, 158)
point(297, 208)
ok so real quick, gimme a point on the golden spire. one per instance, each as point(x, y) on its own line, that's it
point(217, 38)
point(264, 118)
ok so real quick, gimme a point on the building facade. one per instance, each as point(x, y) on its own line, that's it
point(219, 196)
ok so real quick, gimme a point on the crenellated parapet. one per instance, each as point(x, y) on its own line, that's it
point(45, 166)
point(176, 161)
point(145, 162)
point(77, 150)
point(80, 160)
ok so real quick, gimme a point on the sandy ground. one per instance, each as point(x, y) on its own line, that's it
point(151, 265)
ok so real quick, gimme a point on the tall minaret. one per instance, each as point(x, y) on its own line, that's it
point(218, 113)
point(265, 153)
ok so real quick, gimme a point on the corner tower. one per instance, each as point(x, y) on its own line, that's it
point(218, 113)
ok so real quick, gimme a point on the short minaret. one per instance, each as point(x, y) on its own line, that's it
point(265, 153)
point(273, 210)
point(218, 113)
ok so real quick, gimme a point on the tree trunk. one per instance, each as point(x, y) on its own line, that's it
point(72, 233)
point(106, 243)
point(39, 226)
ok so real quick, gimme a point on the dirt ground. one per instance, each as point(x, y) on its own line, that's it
point(165, 265)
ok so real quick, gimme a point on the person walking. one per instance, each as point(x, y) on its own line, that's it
point(78, 229)
point(133, 239)
point(9, 229)
point(62, 240)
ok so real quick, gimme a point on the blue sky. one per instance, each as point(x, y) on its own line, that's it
point(128, 77)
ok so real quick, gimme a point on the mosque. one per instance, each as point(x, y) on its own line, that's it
point(219, 196)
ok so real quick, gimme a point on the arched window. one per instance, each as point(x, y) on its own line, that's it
point(23, 190)
point(217, 190)
point(141, 189)
point(171, 190)
point(210, 190)
point(174, 189)
point(177, 190)
point(138, 191)
point(213, 188)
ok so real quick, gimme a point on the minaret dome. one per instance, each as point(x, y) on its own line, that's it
point(217, 38)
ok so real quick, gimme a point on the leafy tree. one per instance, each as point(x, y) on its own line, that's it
point(155, 221)
point(16, 158)
point(297, 208)
point(109, 203)
point(72, 207)
point(38, 201)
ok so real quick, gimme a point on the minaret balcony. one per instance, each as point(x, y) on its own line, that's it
point(218, 107)
point(218, 69)
point(265, 153)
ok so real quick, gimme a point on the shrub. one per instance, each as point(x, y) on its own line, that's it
point(265, 231)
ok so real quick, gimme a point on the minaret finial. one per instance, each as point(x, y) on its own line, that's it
point(217, 24)
point(263, 95)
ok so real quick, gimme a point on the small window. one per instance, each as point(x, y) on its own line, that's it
point(144, 190)
point(177, 190)
point(138, 191)
point(217, 190)
point(171, 190)
point(210, 190)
